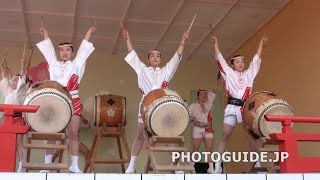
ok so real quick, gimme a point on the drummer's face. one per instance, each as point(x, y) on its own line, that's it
point(238, 65)
point(154, 59)
point(202, 96)
point(66, 53)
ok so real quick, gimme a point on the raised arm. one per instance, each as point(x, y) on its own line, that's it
point(3, 72)
point(23, 66)
point(89, 33)
point(5, 86)
point(84, 51)
point(44, 33)
point(222, 64)
point(46, 47)
point(215, 44)
point(125, 34)
point(262, 43)
point(181, 45)
point(7, 71)
point(28, 64)
point(254, 66)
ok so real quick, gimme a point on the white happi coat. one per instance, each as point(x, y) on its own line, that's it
point(238, 84)
point(13, 96)
point(69, 73)
point(195, 109)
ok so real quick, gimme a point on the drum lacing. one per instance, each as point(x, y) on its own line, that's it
point(160, 105)
point(264, 111)
point(44, 93)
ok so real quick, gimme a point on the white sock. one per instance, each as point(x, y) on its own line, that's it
point(48, 158)
point(257, 164)
point(20, 167)
point(211, 165)
point(217, 165)
point(132, 164)
point(74, 164)
point(74, 160)
point(210, 169)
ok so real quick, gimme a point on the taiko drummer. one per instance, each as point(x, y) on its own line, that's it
point(14, 89)
point(149, 78)
point(238, 85)
point(68, 72)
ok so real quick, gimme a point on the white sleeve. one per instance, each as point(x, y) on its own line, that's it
point(191, 110)
point(171, 67)
point(210, 98)
point(133, 60)
point(84, 51)
point(47, 49)
point(223, 66)
point(254, 67)
point(5, 87)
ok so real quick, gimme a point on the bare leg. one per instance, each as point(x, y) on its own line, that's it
point(208, 144)
point(196, 144)
point(252, 141)
point(226, 136)
point(137, 146)
point(48, 157)
point(73, 134)
point(20, 151)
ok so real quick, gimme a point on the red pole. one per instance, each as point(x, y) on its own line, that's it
point(8, 135)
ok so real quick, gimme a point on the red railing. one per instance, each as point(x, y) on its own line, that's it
point(288, 142)
point(8, 135)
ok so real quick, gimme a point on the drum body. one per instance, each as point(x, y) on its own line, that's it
point(110, 110)
point(56, 108)
point(265, 103)
point(164, 113)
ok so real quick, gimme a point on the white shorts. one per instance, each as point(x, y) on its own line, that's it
point(230, 119)
point(200, 133)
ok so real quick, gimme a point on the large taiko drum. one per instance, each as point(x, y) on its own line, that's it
point(56, 108)
point(264, 103)
point(109, 110)
point(164, 113)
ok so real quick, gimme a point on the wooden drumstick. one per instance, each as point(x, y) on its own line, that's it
point(24, 51)
point(28, 61)
point(191, 23)
point(42, 21)
point(32, 50)
point(121, 25)
point(94, 22)
point(211, 30)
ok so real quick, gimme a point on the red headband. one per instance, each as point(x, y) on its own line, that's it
point(65, 44)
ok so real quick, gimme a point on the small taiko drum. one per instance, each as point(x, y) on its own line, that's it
point(109, 110)
point(164, 113)
point(264, 103)
point(56, 108)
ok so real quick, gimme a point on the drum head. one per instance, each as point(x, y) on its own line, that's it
point(168, 119)
point(55, 111)
point(271, 107)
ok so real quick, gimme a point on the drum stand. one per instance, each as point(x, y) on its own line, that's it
point(60, 137)
point(104, 131)
point(270, 146)
point(165, 144)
